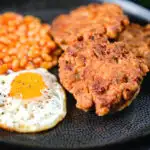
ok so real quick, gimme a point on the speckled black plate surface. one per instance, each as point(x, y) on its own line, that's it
point(80, 129)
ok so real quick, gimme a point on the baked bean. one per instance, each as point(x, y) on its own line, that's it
point(3, 68)
point(51, 44)
point(25, 43)
point(46, 65)
point(46, 50)
point(33, 53)
point(23, 62)
point(12, 51)
point(1, 46)
point(2, 55)
point(15, 64)
point(14, 57)
point(29, 66)
point(46, 57)
point(7, 59)
point(37, 60)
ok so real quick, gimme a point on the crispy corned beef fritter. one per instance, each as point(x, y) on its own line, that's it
point(101, 74)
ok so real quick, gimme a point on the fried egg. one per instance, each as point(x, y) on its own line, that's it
point(31, 101)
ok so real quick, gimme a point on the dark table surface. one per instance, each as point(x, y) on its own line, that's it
point(137, 144)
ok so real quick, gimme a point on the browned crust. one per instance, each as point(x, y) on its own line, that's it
point(101, 73)
point(102, 18)
point(137, 39)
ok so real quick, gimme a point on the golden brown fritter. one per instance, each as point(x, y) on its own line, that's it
point(102, 18)
point(137, 39)
point(101, 73)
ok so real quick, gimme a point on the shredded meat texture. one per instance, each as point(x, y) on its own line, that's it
point(101, 74)
point(137, 39)
point(104, 18)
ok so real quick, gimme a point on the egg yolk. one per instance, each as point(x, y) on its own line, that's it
point(27, 85)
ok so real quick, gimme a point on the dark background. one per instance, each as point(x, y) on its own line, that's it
point(40, 4)
point(138, 144)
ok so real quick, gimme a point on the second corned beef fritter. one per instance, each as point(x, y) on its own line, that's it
point(137, 39)
point(106, 18)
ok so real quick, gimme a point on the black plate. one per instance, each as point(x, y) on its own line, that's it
point(80, 129)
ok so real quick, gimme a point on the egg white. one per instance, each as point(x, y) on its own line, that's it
point(32, 115)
